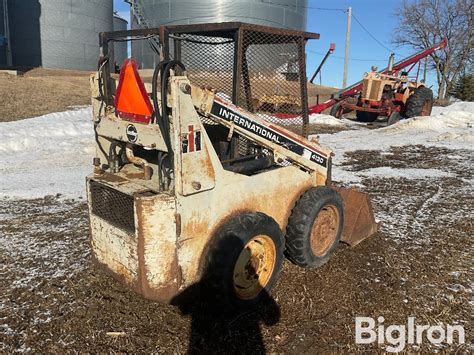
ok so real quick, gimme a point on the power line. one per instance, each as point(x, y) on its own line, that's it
point(351, 59)
point(337, 10)
point(371, 35)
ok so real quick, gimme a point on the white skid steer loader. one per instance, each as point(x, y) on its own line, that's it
point(174, 200)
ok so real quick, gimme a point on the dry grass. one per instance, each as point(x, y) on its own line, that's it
point(42, 91)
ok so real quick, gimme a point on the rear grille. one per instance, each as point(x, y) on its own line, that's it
point(113, 206)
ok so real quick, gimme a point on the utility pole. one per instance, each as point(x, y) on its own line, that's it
point(346, 52)
point(7, 32)
point(424, 70)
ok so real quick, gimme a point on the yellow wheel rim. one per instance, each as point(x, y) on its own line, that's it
point(254, 267)
point(325, 228)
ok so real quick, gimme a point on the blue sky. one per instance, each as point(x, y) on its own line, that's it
point(375, 15)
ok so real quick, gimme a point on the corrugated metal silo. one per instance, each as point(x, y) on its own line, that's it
point(289, 14)
point(120, 48)
point(58, 33)
point(3, 58)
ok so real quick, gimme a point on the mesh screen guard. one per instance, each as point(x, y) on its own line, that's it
point(261, 69)
point(113, 206)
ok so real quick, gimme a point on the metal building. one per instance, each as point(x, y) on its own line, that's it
point(3, 54)
point(290, 14)
point(58, 33)
point(120, 49)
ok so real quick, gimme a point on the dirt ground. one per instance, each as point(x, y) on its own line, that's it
point(53, 299)
point(42, 91)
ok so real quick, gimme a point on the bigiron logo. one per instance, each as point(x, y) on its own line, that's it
point(398, 336)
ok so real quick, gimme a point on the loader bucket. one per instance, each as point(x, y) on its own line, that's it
point(359, 219)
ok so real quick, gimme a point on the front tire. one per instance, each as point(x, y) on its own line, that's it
point(315, 227)
point(420, 103)
point(244, 259)
point(393, 118)
point(363, 116)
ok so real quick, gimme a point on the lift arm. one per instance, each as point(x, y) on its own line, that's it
point(285, 144)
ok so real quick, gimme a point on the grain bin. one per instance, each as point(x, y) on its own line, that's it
point(58, 33)
point(3, 53)
point(290, 14)
point(120, 49)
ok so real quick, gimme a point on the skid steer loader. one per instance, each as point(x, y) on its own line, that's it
point(188, 182)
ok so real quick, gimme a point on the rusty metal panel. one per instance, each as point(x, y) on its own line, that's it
point(202, 213)
point(157, 250)
point(195, 169)
point(115, 248)
point(359, 220)
point(146, 135)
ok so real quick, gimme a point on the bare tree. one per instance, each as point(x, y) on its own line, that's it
point(423, 23)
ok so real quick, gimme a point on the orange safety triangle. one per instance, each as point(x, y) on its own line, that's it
point(131, 100)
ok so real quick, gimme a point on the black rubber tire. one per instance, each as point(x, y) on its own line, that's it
point(363, 116)
point(393, 118)
point(415, 103)
point(224, 250)
point(300, 224)
point(335, 108)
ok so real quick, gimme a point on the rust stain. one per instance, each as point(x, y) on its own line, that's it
point(110, 178)
point(177, 217)
point(208, 167)
point(164, 293)
point(135, 175)
point(359, 219)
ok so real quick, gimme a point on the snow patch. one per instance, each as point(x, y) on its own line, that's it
point(326, 120)
point(464, 106)
point(388, 172)
point(52, 154)
point(447, 127)
point(46, 155)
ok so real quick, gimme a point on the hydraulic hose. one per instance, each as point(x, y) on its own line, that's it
point(113, 157)
point(154, 91)
point(163, 70)
point(164, 107)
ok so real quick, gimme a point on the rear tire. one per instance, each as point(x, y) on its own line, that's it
point(315, 227)
point(243, 260)
point(419, 103)
point(393, 118)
